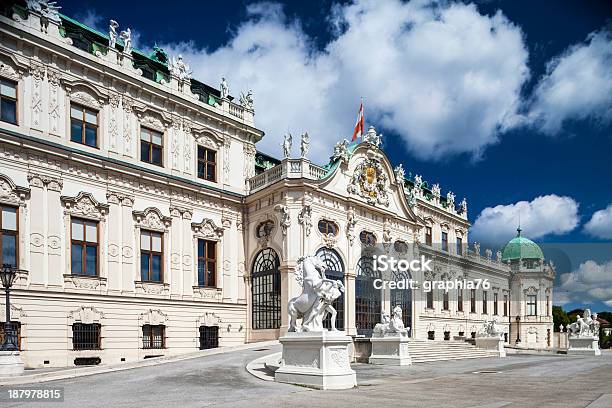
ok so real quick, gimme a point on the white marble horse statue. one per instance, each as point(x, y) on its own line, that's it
point(317, 296)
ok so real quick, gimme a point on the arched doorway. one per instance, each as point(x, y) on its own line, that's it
point(367, 299)
point(266, 290)
point(402, 298)
point(335, 270)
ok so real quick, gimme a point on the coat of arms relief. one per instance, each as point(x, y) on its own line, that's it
point(370, 182)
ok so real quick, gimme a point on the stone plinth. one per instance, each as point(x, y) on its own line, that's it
point(316, 359)
point(10, 363)
point(584, 345)
point(390, 350)
point(495, 344)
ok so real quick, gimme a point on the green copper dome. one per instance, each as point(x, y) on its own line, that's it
point(521, 248)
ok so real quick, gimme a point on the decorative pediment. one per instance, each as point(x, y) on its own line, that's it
point(86, 314)
point(153, 317)
point(152, 120)
point(207, 229)
point(152, 218)
point(10, 193)
point(208, 138)
point(17, 313)
point(532, 290)
point(84, 204)
point(209, 319)
point(8, 70)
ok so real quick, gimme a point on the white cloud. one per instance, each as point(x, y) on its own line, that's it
point(600, 224)
point(444, 77)
point(591, 282)
point(544, 215)
point(577, 85)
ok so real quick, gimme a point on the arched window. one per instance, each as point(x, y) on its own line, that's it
point(367, 238)
point(335, 270)
point(328, 227)
point(367, 299)
point(401, 247)
point(266, 290)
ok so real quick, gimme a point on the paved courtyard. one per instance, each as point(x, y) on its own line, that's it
point(222, 381)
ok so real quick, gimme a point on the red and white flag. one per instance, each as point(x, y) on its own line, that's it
point(359, 128)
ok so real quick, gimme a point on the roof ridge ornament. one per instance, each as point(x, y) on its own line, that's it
point(372, 138)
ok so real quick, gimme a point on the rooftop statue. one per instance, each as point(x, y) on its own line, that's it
point(112, 33)
point(391, 325)
point(341, 151)
point(305, 145)
point(224, 88)
point(179, 68)
point(48, 9)
point(400, 174)
point(372, 138)
point(287, 143)
point(318, 293)
point(126, 36)
point(246, 100)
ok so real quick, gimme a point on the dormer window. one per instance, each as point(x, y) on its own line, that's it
point(328, 227)
point(83, 125)
point(151, 147)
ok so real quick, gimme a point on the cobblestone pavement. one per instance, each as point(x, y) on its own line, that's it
point(222, 381)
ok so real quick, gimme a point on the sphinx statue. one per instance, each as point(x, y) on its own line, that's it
point(315, 301)
point(391, 325)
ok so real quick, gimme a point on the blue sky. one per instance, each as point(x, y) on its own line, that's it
point(507, 103)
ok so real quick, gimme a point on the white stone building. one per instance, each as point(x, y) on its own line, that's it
point(147, 223)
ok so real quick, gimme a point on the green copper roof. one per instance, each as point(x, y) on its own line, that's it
point(521, 248)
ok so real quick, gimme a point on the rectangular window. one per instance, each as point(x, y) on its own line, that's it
point(445, 300)
point(151, 147)
point(207, 163)
point(209, 337)
point(151, 256)
point(83, 125)
point(460, 300)
point(532, 305)
point(8, 101)
point(86, 336)
point(495, 310)
point(459, 246)
point(547, 305)
point(444, 241)
point(484, 302)
point(428, 238)
point(153, 336)
point(472, 300)
point(8, 235)
point(429, 299)
point(207, 263)
point(505, 305)
point(84, 247)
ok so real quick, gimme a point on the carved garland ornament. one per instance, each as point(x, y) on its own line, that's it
point(207, 229)
point(84, 204)
point(11, 193)
point(152, 218)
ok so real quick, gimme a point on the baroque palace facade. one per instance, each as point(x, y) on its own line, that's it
point(145, 222)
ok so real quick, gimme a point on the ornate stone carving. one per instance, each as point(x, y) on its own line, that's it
point(351, 221)
point(153, 317)
point(246, 100)
point(372, 138)
point(400, 174)
point(305, 215)
point(304, 145)
point(207, 229)
point(264, 231)
point(54, 106)
point(249, 160)
point(285, 221)
point(435, 191)
point(391, 325)
point(209, 319)
point(152, 288)
point(209, 139)
point(36, 106)
point(84, 204)
point(40, 181)
point(84, 282)
point(369, 181)
point(84, 98)
point(286, 145)
point(152, 218)
point(491, 328)
point(152, 121)
point(227, 144)
point(126, 36)
point(86, 314)
point(127, 125)
point(10, 193)
point(450, 201)
point(585, 325)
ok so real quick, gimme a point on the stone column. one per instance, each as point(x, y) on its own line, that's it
point(228, 269)
point(188, 258)
point(175, 248)
point(38, 217)
point(241, 284)
point(114, 223)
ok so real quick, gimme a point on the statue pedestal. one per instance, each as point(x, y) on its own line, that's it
point(495, 344)
point(316, 359)
point(584, 345)
point(10, 363)
point(390, 350)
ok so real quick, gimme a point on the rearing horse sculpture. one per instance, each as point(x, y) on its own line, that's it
point(317, 296)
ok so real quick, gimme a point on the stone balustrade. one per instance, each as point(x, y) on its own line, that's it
point(287, 169)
